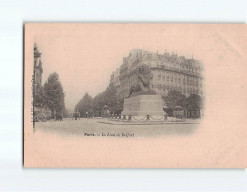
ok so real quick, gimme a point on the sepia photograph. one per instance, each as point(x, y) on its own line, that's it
point(148, 88)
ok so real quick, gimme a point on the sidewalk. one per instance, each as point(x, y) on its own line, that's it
point(132, 122)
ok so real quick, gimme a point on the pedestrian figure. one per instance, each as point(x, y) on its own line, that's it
point(61, 117)
point(129, 118)
point(148, 117)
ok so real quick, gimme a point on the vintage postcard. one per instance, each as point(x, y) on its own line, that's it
point(119, 95)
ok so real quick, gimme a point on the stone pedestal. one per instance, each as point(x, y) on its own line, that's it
point(142, 105)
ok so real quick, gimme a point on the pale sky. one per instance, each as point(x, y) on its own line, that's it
point(85, 55)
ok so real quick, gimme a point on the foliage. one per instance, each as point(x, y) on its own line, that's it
point(193, 102)
point(168, 111)
point(94, 106)
point(53, 95)
point(38, 97)
point(111, 97)
point(85, 104)
point(175, 98)
point(65, 113)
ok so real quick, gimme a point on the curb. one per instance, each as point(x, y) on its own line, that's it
point(146, 123)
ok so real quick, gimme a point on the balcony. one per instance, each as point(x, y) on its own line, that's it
point(177, 70)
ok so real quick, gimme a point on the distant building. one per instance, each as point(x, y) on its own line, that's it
point(170, 72)
point(39, 112)
point(115, 79)
point(38, 70)
point(134, 58)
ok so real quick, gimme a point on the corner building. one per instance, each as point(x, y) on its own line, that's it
point(170, 72)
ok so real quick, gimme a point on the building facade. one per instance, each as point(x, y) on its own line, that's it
point(38, 70)
point(170, 72)
point(39, 112)
point(115, 79)
point(126, 69)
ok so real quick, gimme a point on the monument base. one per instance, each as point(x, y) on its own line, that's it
point(143, 105)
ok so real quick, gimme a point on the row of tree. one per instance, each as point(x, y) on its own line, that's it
point(111, 100)
point(175, 98)
point(93, 106)
point(51, 96)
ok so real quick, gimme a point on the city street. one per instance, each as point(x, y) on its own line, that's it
point(99, 127)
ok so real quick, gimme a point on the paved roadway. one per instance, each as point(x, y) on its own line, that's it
point(95, 126)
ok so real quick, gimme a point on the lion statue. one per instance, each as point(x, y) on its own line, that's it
point(143, 86)
point(144, 76)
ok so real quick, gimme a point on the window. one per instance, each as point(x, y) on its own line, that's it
point(159, 77)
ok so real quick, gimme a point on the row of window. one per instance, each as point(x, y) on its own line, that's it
point(192, 81)
point(177, 66)
point(187, 91)
point(179, 75)
point(174, 87)
point(170, 79)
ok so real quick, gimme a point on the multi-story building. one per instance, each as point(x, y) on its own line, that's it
point(39, 112)
point(38, 70)
point(170, 72)
point(115, 79)
point(135, 55)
